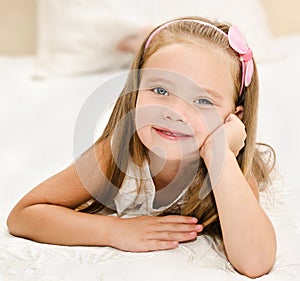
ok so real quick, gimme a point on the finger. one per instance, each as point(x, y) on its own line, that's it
point(232, 117)
point(155, 245)
point(173, 236)
point(178, 219)
point(178, 227)
point(229, 117)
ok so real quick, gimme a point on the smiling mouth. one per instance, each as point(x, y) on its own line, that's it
point(172, 135)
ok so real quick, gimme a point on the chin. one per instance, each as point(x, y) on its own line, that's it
point(175, 154)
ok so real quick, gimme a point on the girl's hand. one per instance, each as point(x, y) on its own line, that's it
point(235, 135)
point(147, 233)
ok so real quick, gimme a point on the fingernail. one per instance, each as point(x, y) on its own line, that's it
point(199, 227)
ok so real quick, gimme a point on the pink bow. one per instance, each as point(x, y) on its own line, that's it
point(238, 43)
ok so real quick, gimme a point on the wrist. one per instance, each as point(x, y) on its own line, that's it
point(217, 157)
point(217, 165)
point(110, 229)
point(206, 153)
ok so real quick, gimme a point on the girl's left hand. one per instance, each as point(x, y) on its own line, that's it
point(235, 135)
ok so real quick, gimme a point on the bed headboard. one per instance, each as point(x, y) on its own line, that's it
point(18, 23)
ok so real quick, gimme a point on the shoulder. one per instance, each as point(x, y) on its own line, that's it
point(103, 153)
point(95, 157)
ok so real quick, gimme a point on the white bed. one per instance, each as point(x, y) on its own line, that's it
point(37, 120)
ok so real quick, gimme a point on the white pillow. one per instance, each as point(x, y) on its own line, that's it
point(80, 36)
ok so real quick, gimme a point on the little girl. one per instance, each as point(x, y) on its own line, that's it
point(178, 157)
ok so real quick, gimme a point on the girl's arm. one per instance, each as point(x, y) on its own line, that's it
point(46, 214)
point(248, 234)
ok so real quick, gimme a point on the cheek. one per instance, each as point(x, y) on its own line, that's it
point(144, 135)
point(146, 115)
point(201, 131)
point(204, 122)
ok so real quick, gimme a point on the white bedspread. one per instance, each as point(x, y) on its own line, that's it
point(37, 119)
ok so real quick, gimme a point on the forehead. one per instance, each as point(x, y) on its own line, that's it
point(208, 68)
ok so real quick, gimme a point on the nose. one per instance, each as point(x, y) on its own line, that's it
point(171, 115)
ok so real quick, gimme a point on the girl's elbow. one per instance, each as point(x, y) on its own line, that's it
point(256, 273)
point(257, 268)
point(12, 223)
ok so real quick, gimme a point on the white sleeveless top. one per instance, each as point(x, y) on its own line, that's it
point(129, 202)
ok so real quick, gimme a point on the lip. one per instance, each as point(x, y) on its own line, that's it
point(171, 135)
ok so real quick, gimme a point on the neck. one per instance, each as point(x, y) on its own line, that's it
point(166, 171)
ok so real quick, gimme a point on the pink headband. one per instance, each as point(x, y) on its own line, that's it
point(236, 42)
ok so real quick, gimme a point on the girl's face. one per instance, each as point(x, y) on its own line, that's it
point(185, 93)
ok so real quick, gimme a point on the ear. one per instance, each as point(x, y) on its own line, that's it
point(239, 112)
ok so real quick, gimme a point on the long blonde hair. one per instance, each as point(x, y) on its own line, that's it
point(251, 159)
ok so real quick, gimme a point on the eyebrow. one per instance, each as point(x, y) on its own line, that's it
point(212, 93)
point(155, 79)
point(162, 79)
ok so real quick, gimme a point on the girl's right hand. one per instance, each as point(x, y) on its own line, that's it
point(148, 233)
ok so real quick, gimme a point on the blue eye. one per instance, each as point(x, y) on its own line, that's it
point(203, 101)
point(160, 91)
